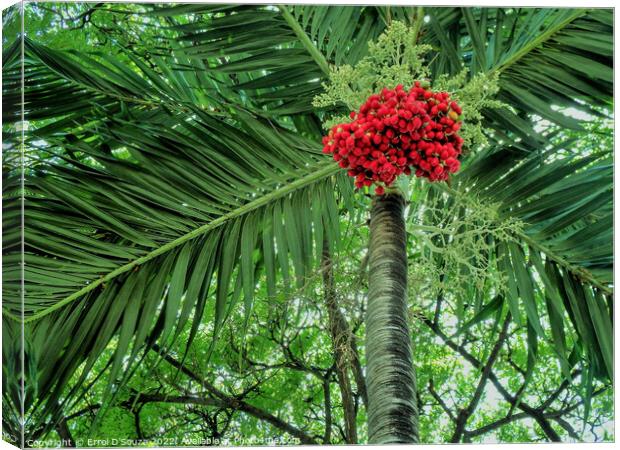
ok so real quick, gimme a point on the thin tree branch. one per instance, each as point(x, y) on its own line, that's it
point(235, 403)
point(341, 337)
point(437, 397)
point(568, 428)
point(65, 434)
point(327, 437)
point(83, 411)
point(141, 399)
point(497, 424)
point(466, 413)
point(559, 390)
point(532, 412)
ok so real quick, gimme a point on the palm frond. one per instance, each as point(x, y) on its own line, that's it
point(565, 205)
point(162, 186)
point(137, 220)
point(546, 58)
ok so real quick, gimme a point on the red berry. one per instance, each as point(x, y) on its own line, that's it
point(398, 132)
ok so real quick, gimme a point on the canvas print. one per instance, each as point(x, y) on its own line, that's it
point(295, 224)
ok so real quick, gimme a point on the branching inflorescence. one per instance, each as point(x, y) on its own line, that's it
point(398, 131)
point(392, 130)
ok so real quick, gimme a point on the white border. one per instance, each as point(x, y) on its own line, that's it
point(508, 3)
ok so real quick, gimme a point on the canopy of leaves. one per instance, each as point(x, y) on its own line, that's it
point(177, 212)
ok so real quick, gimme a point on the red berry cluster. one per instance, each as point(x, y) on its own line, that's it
point(399, 132)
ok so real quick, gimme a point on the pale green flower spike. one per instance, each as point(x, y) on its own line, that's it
point(395, 59)
point(465, 243)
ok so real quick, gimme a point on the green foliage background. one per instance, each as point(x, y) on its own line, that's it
point(187, 135)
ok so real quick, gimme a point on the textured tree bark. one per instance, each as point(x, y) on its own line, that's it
point(390, 377)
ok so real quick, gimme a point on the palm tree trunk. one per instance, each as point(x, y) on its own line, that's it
point(392, 408)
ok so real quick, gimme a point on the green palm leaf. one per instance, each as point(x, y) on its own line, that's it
point(163, 186)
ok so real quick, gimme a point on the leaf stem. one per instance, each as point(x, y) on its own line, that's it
point(580, 272)
point(543, 37)
point(305, 39)
point(322, 172)
point(417, 24)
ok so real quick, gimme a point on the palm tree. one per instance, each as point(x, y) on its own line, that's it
point(392, 407)
point(168, 177)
